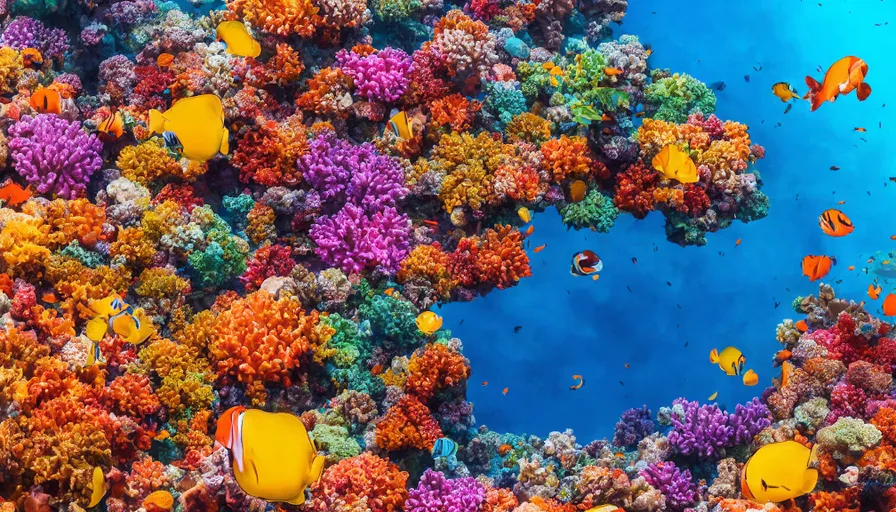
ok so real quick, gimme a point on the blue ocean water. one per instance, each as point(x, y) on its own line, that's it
point(666, 331)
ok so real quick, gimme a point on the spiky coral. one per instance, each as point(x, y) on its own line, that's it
point(267, 155)
point(468, 164)
point(496, 259)
point(567, 156)
point(259, 341)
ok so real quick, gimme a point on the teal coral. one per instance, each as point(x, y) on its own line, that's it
point(505, 101)
point(86, 257)
point(676, 97)
point(596, 212)
point(393, 320)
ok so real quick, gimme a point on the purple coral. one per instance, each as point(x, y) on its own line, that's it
point(676, 485)
point(701, 430)
point(341, 171)
point(381, 76)
point(634, 425)
point(435, 493)
point(54, 155)
point(24, 32)
point(748, 420)
point(354, 241)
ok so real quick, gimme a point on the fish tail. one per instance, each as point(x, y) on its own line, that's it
point(225, 142)
point(863, 91)
point(156, 121)
point(812, 94)
point(714, 356)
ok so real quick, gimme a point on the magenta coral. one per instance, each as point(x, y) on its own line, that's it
point(380, 76)
point(354, 241)
point(54, 155)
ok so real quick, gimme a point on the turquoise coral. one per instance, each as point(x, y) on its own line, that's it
point(676, 97)
point(596, 212)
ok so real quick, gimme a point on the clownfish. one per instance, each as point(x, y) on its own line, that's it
point(585, 263)
point(730, 360)
point(273, 457)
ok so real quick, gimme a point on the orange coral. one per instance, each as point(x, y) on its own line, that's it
point(885, 421)
point(567, 156)
point(133, 395)
point(23, 243)
point(501, 259)
point(519, 182)
point(456, 111)
point(261, 224)
point(268, 154)
point(435, 368)
point(550, 505)
point(133, 246)
point(77, 285)
point(732, 505)
point(880, 457)
point(429, 264)
point(363, 482)
point(78, 219)
point(281, 17)
point(326, 93)
point(499, 500)
point(846, 501)
point(259, 340)
point(407, 425)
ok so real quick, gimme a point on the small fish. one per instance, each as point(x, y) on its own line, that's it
point(505, 390)
point(835, 168)
point(860, 129)
point(750, 378)
point(99, 487)
point(444, 447)
point(164, 60)
point(835, 223)
point(595, 277)
point(629, 288)
point(429, 322)
point(46, 101)
point(786, 110)
point(784, 91)
point(621, 383)
point(802, 326)
point(517, 329)
point(628, 365)
point(431, 223)
point(851, 267)
point(783, 355)
point(402, 126)
point(577, 190)
point(757, 69)
point(530, 230)
point(889, 307)
point(737, 242)
point(730, 360)
point(713, 396)
point(49, 298)
point(747, 78)
point(841, 203)
point(389, 291)
point(13, 194)
point(777, 303)
point(874, 292)
point(674, 164)
point(634, 260)
point(585, 263)
point(485, 383)
point(540, 248)
point(112, 126)
point(892, 237)
point(668, 283)
point(612, 71)
point(504, 449)
point(577, 385)
point(196, 125)
point(719, 86)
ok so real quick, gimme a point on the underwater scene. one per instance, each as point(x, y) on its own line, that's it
point(447, 256)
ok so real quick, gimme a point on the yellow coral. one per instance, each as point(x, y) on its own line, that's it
point(78, 285)
point(161, 283)
point(468, 164)
point(10, 68)
point(133, 246)
point(147, 162)
point(23, 243)
point(78, 219)
point(528, 127)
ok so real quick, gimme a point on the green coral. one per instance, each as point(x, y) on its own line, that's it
point(848, 438)
point(674, 98)
point(812, 414)
point(335, 441)
point(596, 211)
point(533, 79)
point(349, 345)
point(395, 10)
point(681, 229)
point(35, 8)
point(754, 207)
point(87, 257)
point(392, 320)
point(217, 263)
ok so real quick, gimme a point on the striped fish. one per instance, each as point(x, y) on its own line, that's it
point(444, 447)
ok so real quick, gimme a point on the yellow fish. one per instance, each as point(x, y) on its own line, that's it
point(675, 164)
point(714, 395)
point(605, 508)
point(238, 40)
point(401, 126)
point(778, 472)
point(731, 360)
point(750, 378)
point(195, 125)
point(784, 92)
point(94, 355)
point(272, 455)
point(429, 322)
point(134, 326)
point(99, 487)
point(524, 214)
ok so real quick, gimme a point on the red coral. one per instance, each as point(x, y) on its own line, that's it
point(634, 190)
point(152, 83)
point(132, 394)
point(884, 353)
point(847, 400)
point(429, 77)
point(363, 482)
point(435, 368)
point(407, 425)
point(696, 200)
point(268, 154)
point(456, 111)
point(483, 10)
point(499, 500)
point(567, 156)
point(181, 193)
point(868, 377)
point(497, 259)
point(846, 501)
point(845, 344)
point(268, 261)
point(885, 421)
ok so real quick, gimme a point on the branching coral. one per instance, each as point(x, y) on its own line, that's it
point(147, 162)
point(281, 17)
point(407, 425)
point(365, 482)
point(434, 369)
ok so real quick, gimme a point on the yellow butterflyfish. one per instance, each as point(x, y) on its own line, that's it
point(272, 455)
point(731, 360)
point(402, 126)
point(524, 214)
point(605, 508)
point(784, 92)
point(134, 326)
point(778, 472)
point(194, 125)
point(99, 487)
point(429, 322)
point(239, 41)
point(675, 164)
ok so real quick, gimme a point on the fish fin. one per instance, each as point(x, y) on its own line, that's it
point(714, 356)
point(96, 328)
point(156, 121)
point(317, 469)
point(225, 142)
point(298, 500)
point(813, 84)
point(810, 480)
point(863, 91)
